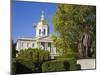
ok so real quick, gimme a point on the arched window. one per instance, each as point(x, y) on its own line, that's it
point(43, 31)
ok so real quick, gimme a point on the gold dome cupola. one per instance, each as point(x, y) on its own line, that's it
point(42, 26)
point(42, 19)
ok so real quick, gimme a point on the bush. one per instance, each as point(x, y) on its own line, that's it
point(24, 66)
point(61, 64)
point(13, 66)
point(36, 55)
point(55, 66)
point(70, 54)
point(30, 60)
point(72, 62)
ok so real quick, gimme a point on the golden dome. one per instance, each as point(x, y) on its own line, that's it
point(42, 19)
point(43, 22)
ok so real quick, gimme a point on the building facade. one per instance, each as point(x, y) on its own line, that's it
point(41, 40)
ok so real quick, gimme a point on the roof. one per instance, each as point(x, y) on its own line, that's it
point(45, 39)
point(39, 39)
point(27, 38)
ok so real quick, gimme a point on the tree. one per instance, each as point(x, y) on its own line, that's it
point(13, 66)
point(14, 51)
point(75, 22)
point(58, 43)
point(36, 55)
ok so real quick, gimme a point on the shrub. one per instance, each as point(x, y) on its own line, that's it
point(55, 66)
point(72, 62)
point(13, 66)
point(31, 60)
point(61, 64)
point(70, 54)
point(36, 55)
point(24, 66)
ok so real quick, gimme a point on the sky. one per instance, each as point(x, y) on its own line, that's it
point(24, 15)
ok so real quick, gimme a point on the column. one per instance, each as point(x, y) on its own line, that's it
point(52, 52)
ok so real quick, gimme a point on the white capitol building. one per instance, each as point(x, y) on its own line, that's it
point(41, 40)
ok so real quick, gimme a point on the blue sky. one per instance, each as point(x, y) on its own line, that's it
point(25, 14)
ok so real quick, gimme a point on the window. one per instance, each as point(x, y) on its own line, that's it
point(27, 44)
point(32, 44)
point(43, 31)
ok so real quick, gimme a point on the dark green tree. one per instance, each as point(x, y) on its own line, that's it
point(13, 51)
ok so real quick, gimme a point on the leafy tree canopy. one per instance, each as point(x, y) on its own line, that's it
point(72, 21)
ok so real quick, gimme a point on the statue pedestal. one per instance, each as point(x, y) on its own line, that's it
point(87, 63)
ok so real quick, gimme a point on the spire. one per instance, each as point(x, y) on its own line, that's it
point(42, 15)
point(42, 19)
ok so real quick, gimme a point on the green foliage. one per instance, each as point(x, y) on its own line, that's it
point(55, 66)
point(70, 21)
point(36, 60)
point(13, 66)
point(36, 55)
point(61, 64)
point(72, 62)
point(21, 66)
point(30, 60)
point(58, 43)
point(25, 66)
point(61, 50)
point(70, 54)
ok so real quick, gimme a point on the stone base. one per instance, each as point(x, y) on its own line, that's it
point(87, 63)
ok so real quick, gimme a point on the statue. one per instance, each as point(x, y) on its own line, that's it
point(84, 45)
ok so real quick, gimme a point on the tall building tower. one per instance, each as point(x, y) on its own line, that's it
point(42, 27)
